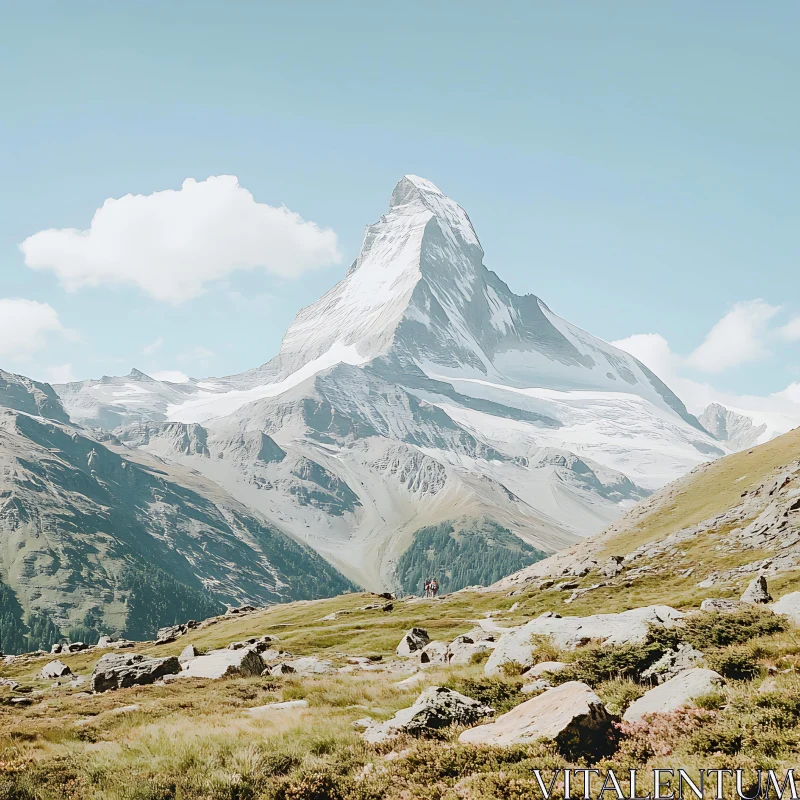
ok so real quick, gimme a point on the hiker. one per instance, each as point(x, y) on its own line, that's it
point(434, 587)
point(427, 587)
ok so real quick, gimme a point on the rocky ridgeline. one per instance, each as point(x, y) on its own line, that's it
point(767, 518)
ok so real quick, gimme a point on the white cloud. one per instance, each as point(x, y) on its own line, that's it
point(170, 376)
point(61, 373)
point(171, 244)
point(736, 339)
point(197, 355)
point(25, 326)
point(149, 349)
point(791, 331)
point(653, 350)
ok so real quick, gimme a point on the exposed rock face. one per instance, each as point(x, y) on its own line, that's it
point(117, 671)
point(735, 430)
point(571, 715)
point(435, 708)
point(55, 669)
point(672, 663)
point(789, 606)
point(224, 663)
point(170, 633)
point(757, 592)
point(188, 653)
point(412, 642)
point(678, 692)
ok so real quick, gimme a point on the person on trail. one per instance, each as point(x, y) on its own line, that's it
point(434, 587)
point(427, 587)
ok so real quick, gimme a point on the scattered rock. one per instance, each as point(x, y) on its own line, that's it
point(271, 708)
point(612, 567)
point(571, 715)
point(117, 671)
point(678, 692)
point(756, 592)
point(718, 604)
point(789, 606)
point(435, 708)
point(55, 669)
point(672, 663)
point(105, 641)
point(21, 701)
point(74, 647)
point(543, 667)
point(412, 642)
point(464, 647)
point(9, 683)
point(224, 663)
point(240, 610)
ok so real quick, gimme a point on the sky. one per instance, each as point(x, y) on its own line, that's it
point(179, 179)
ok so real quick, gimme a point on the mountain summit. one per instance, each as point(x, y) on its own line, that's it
point(419, 394)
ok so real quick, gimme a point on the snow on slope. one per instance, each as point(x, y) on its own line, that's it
point(420, 388)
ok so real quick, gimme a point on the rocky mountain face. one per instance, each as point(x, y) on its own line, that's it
point(737, 429)
point(420, 390)
point(110, 539)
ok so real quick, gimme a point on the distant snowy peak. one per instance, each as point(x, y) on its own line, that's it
point(739, 429)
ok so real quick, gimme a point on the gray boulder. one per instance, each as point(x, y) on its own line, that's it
point(678, 692)
point(412, 642)
point(543, 667)
point(55, 669)
point(117, 671)
point(433, 653)
point(464, 647)
point(308, 665)
point(757, 592)
point(105, 641)
point(789, 606)
point(224, 663)
point(612, 567)
point(672, 663)
point(571, 715)
point(435, 708)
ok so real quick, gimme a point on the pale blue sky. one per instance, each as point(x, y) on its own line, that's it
point(634, 164)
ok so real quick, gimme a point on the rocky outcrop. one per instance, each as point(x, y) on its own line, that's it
point(413, 642)
point(435, 708)
point(464, 647)
point(571, 715)
point(309, 665)
point(757, 592)
point(678, 692)
point(434, 653)
point(672, 663)
point(224, 663)
point(567, 633)
point(719, 605)
point(117, 671)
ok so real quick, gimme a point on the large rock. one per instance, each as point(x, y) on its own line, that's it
point(435, 708)
point(412, 642)
point(571, 715)
point(541, 669)
point(464, 647)
point(757, 592)
point(224, 663)
point(672, 663)
point(789, 606)
point(117, 671)
point(55, 669)
point(170, 633)
point(679, 692)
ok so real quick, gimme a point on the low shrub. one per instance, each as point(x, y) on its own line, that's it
point(738, 662)
point(708, 629)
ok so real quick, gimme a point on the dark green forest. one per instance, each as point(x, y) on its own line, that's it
point(476, 554)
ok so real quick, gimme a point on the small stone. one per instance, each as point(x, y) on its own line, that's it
point(412, 642)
